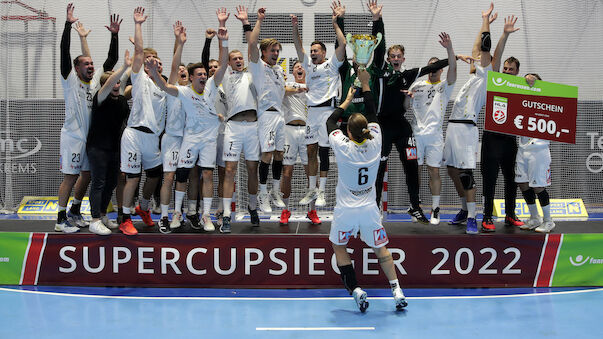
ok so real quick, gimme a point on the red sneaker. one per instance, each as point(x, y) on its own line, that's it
point(488, 225)
point(313, 217)
point(285, 214)
point(145, 215)
point(513, 221)
point(127, 227)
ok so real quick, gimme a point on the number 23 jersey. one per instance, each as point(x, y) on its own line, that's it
point(357, 166)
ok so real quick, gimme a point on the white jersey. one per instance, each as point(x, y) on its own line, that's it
point(357, 166)
point(429, 105)
point(472, 96)
point(78, 103)
point(527, 143)
point(149, 103)
point(269, 82)
point(322, 80)
point(174, 123)
point(237, 87)
point(199, 108)
point(294, 105)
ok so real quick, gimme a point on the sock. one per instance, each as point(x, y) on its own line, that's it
point(435, 201)
point(546, 212)
point(144, 204)
point(253, 202)
point(348, 276)
point(62, 215)
point(221, 203)
point(323, 184)
point(226, 202)
point(178, 201)
point(127, 210)
point(192, 207)
point(164, 210)
point(206, 205)
point(264, 188)
point(276, 185)
point(286, 201)
point(312, 182)
point(394, 284)
point(75, 206)
point(471, 209)
point(464, 203)
point(533, 211)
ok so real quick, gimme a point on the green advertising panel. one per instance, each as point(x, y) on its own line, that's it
point(505, 83)
point(12, 252)
point(580, 261)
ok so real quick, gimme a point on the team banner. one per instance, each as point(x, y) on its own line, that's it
point(13, 246)
point(580, 261)
point(545, 111)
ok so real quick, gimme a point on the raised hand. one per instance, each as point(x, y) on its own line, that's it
point(488, 13)
point(510, 24)
point(127, 59)
point(139, 16)
point(261, 14)
point(445, 40)
point(70, 9)
point(181, 37)
point(466, 58)
point(242, 15)
point(151, 64)
point(294, 20)
point(79, 28)
point(177, 28)
point(222, 15)
point(210, 33)
point(338, 9)
point(222, 33)
point(375, 9)
point(114, 23)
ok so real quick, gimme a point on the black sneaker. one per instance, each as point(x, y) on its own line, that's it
point(418, 214)
point(164, 225)
point(194, 220)
point(225, 228)
point(253, 214)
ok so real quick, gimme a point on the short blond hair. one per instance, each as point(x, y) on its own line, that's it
point(267, 43)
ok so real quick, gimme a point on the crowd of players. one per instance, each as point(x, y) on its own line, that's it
point(209, 113)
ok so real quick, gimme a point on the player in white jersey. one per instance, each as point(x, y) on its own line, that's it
point(429, 101)
point(269, 82)
point(296, 113)
point(80, 82)
point(533, 175)
point(140, 139)
point(200, 130)
point(358, 159)
point(322, 79)
point(462, 135)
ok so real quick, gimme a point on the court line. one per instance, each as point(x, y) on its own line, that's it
point(298, 299)
point(314, 328)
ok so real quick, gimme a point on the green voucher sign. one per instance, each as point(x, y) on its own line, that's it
point(12, 252)
point(580, 261)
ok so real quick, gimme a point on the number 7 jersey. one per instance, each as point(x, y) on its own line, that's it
point(357, 166)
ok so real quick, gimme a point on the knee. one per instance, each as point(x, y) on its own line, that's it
point(467, 179)
point(154, 172)
point(182, 174)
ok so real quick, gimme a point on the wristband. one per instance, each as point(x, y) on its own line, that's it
point(224, 43)
point(247, 28)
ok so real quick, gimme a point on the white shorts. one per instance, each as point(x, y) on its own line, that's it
point(316, 125)
point(220, 150)
point(295, 145)
point(139, 148)
point(430, 149)
point(533, 165)
point(241, 136)
point(271, 131)
point(170, 146)
point(460, 147)
point(200, 149)
point(347, 222)
point(73, 158)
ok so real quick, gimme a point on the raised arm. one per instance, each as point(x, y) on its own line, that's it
point(180, 39)
point(152, 65)
point(338, 111)
point(485, 44)
point(210, 33)
point(252, 36)
point(379, 53)
point(103, 93)
point(370, 111)
point(223, 43)
point(301, 53)
point(66, 42)
point(112, 56)
point(338, 12)
point(138, 60)
point(500, 46)
point(83, 33)
point(446, 42)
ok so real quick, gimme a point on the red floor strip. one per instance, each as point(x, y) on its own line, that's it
point(548, 262)
point(33, 258)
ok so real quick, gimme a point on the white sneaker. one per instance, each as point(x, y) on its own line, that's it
point(109, 223)
point(546, 227)
point(264, 202)
point(360, 298)
point(66, 227)
point(99, 228)
point(277, 199)
point(176, 220)
point(208, 225)
point(309, 197)
point(435, 216)
point(531, 224)
point(320, 199)
point(400, 299)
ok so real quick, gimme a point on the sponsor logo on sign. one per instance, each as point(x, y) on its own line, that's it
point(499, 110)
point(498, 81)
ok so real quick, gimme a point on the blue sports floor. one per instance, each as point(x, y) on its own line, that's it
point(77, 312)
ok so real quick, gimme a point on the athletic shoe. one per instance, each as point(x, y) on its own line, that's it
point(109, 223)
point(313, 216)
point(145, 215)
point(412, 217)
point(360, 299)
point(488, 225)
point(320, 199)
point(400, 299)
point(176, 220)
point(285, 214)
point(418, 215)
point(253, 215)
point(194, 220)
point(531, 224)
point(277, 199)
point(164, 225)
point(264, 202)
point(435, 216)
point(513, 221)
point(471, 226)
point(99, 228)
point(546, 227)
point(459, 218)
point(225, 228)
point(77, 219)
point(219, 215)
point(66, 227)
point(208, 226)
point(309, 197)
point(128, 228)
